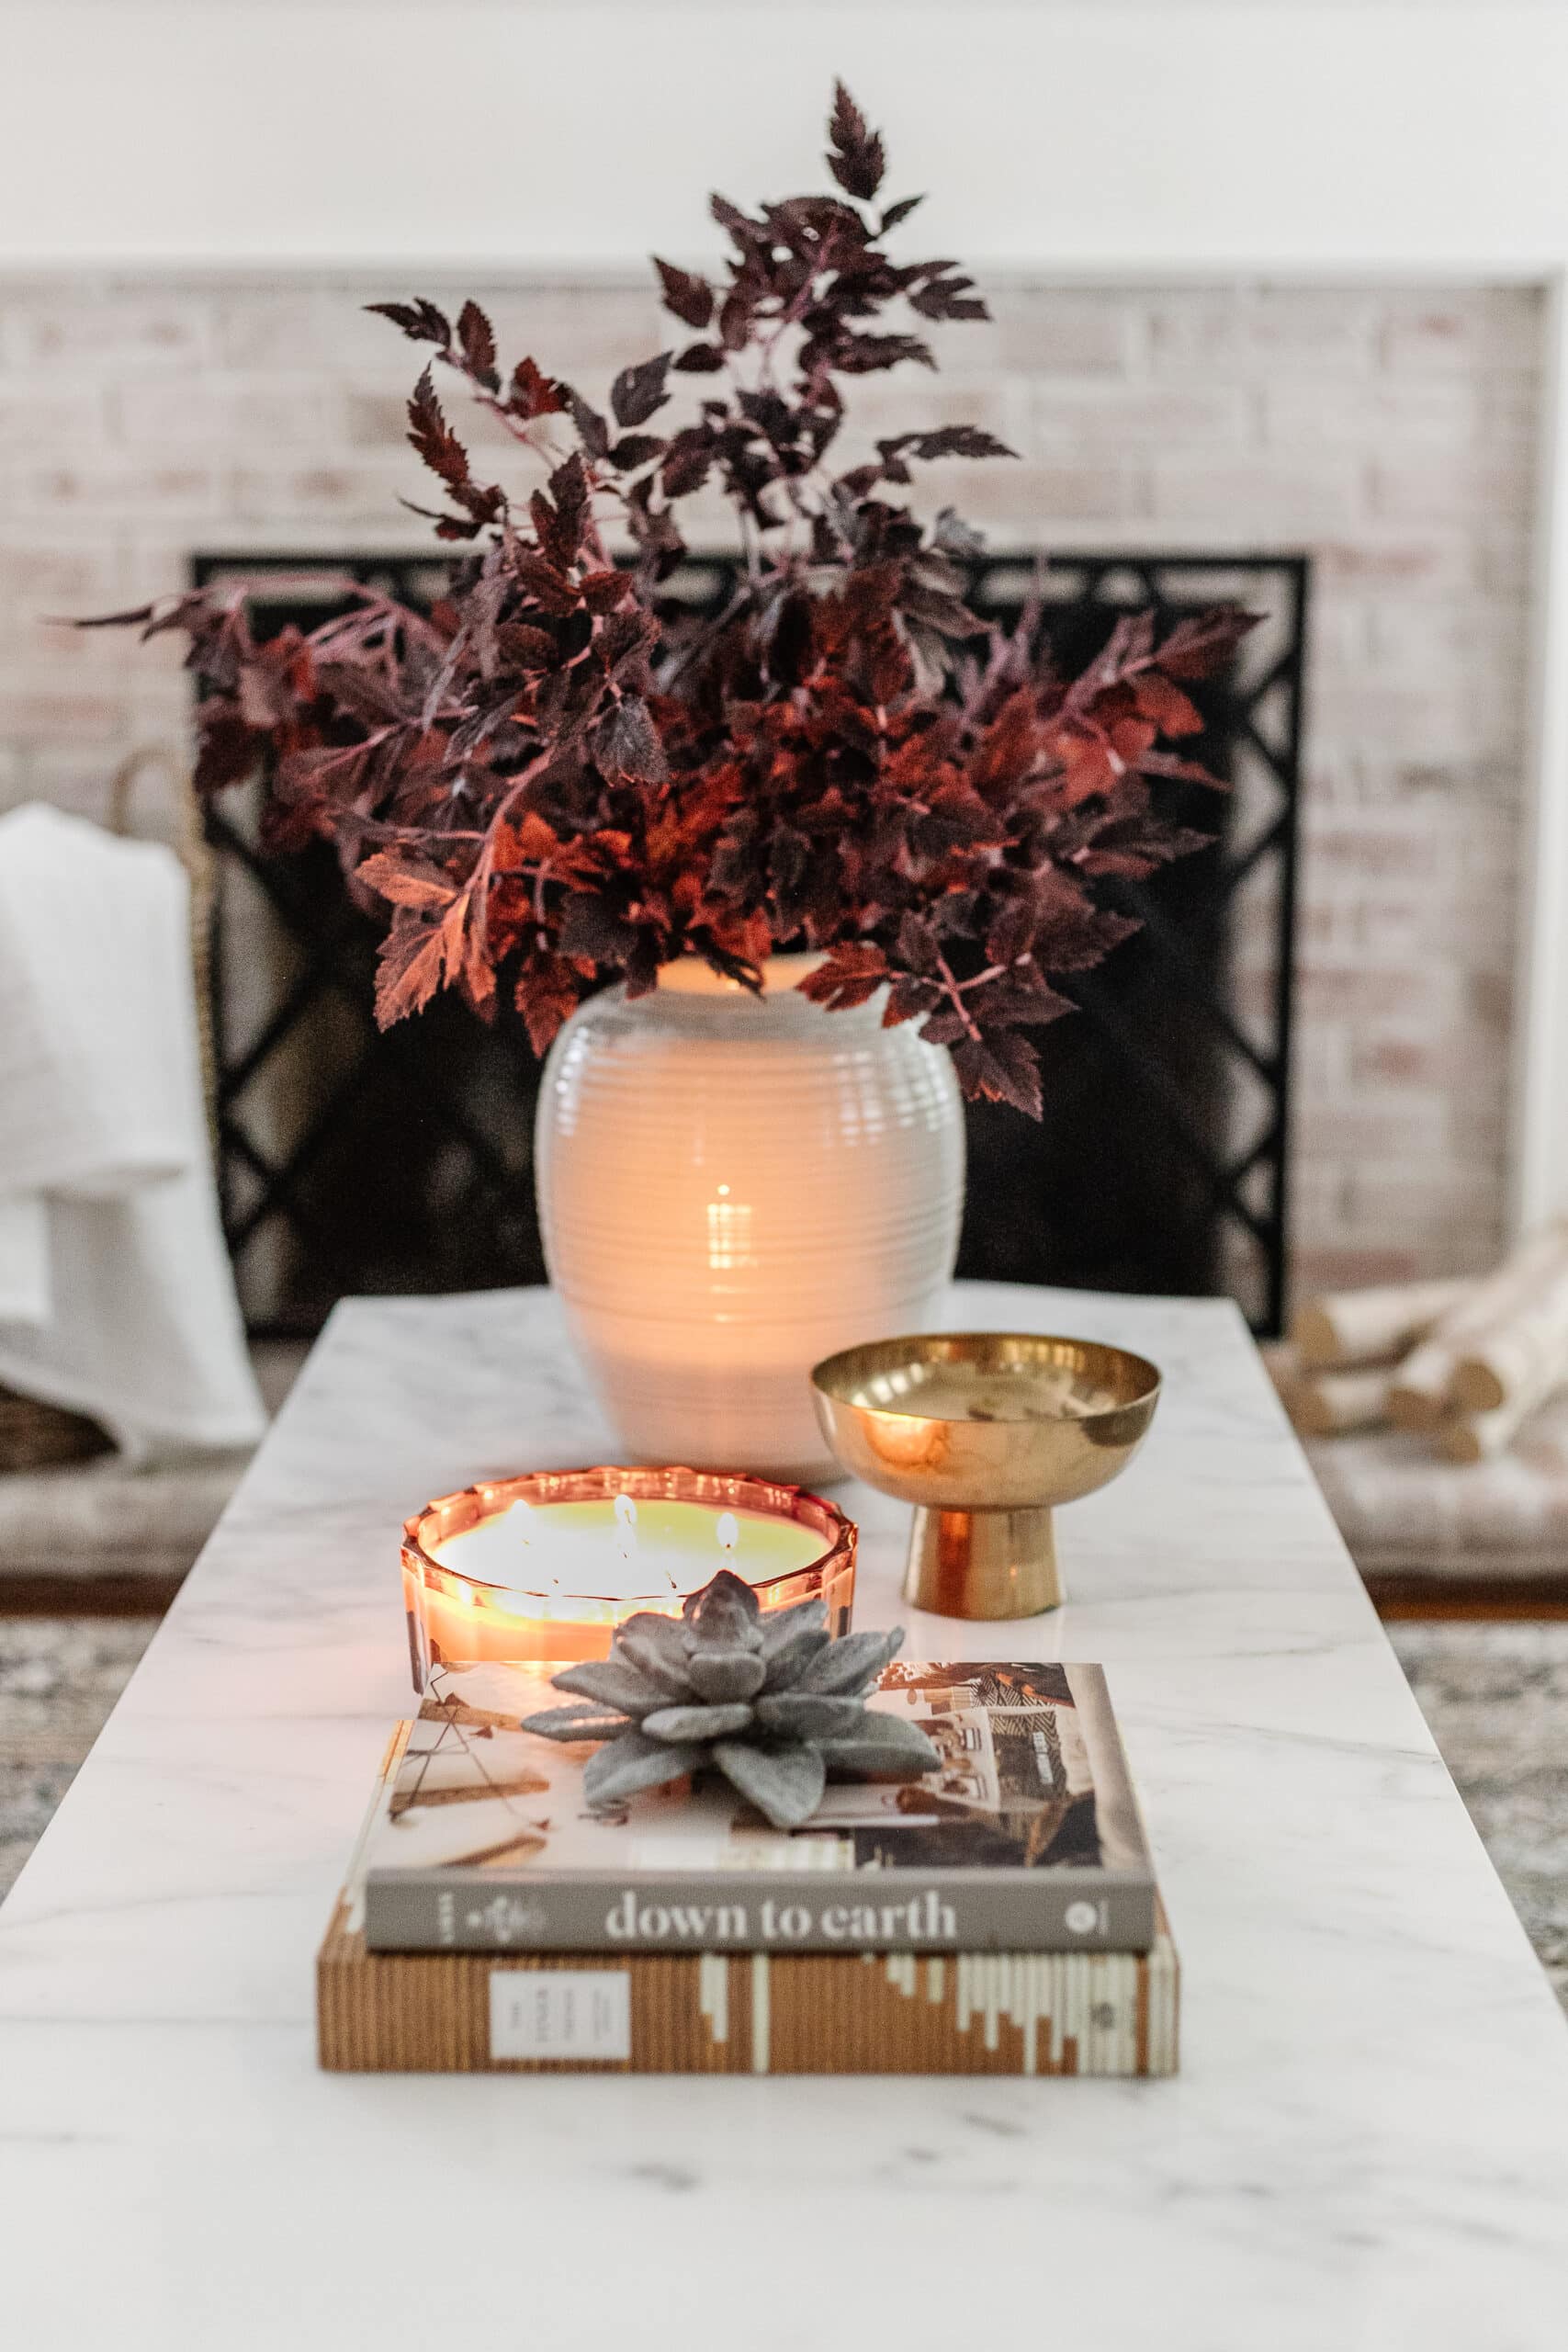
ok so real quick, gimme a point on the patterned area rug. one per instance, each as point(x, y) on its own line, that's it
point(1496, 1697)
point(58, 1678)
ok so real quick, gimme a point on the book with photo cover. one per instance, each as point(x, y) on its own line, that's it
point(1086, 2013)
point(1027, 1838)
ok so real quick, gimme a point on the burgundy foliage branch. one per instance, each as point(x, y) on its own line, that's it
point(551, 790)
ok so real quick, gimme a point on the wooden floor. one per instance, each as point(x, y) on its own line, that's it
point(87, 1596)
point(1501, 1599)
point(1398, 1599)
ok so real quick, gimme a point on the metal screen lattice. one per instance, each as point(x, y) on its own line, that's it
point(350, 1161)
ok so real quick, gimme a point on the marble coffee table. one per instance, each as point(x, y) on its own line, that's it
point(1367, 2146)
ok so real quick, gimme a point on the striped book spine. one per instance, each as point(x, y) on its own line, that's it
point(755, 2013)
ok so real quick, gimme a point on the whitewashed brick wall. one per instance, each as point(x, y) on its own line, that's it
point(1391, 434)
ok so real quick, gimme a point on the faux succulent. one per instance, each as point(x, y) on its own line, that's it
point(552, 781)
point(771, 1702)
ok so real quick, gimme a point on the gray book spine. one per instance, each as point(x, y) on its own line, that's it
point(1060, 1910)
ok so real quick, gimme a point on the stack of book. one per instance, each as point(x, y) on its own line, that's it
point(999, 1915)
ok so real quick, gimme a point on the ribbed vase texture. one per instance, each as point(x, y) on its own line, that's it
point(732, 1187)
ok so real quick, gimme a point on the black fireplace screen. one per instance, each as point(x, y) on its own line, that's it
point(352, 1162)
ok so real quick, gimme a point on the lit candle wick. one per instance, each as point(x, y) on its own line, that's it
point(626, 1529)
point(728, 1532)
point(626, 1544)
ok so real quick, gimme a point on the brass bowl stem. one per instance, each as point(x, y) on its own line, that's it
point(983, 1563)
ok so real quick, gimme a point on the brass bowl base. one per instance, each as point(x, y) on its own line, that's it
point(983, 1563)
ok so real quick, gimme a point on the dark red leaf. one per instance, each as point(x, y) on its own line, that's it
point(229, 751)
point(434, 438)
point(635, 449)
point(529, 649)
point(547, 996)
point(855, 156)
point(1164, 702)
point(603, 590)
point(593, 927)
point(948, 297)
point(866, 355)
point(1203, 642)
point(534, 394)
point(688, 461)
point(1004, 1068)
point(735, 318)
point(593, 429)
point(637, 391)
point(1167, 763)
point(137, 613)
point(950, 441)
point(447, 526)
point(561, 516)
point(476, 337)
point(409, 968)
point(406, 880)
point(851, 973)
point(629, 745)
point(545, 583)
point(419, 320)
point(690, 298)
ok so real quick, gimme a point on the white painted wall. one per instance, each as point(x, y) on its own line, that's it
point(1202, 138)
point(1087, 134)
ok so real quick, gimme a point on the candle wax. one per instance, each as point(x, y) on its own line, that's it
point(563, 1549)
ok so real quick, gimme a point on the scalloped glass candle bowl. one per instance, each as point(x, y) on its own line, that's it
point(731, 1186)
point(548, 1565)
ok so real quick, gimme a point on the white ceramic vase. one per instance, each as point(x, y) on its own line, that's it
point(731, 1187)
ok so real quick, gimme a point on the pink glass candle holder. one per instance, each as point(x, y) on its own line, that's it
point(547, 1566)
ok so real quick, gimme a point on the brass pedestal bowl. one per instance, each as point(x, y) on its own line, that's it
point(985, 1432)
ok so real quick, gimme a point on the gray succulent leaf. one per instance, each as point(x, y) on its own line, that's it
point(726, 1674)
point(576, 1722)
point(782, 1625)
point(684, 1724)
point(725, 1611)
point(625, 1766)
point(783, 1780)
point(853, 1665)
point(657, 1647)
point(808, 1715)
point(790, 1659)
point(614, 1681)
point(885, 1747)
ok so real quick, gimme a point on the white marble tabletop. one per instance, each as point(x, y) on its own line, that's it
point(1367, 2149)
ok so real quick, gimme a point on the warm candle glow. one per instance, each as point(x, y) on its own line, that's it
point(617, 1548)
point(493, 1574)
